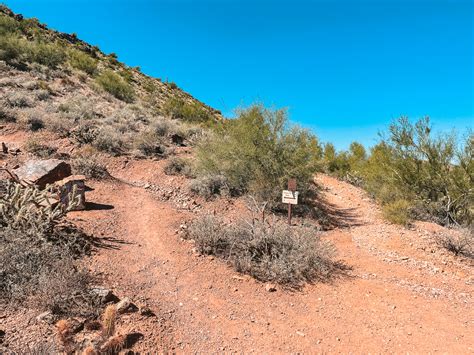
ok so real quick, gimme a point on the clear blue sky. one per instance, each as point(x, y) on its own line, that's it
point(343, 68)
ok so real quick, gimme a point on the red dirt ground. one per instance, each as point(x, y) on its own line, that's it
point(403, 293)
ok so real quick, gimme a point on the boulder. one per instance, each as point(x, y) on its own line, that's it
point(67, 185)
point(43, 172)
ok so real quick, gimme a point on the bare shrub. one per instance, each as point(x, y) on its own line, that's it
point(35, 146)
point(34, 123)
point(86, 132)
point(178, 166)
point(110, 141)
point(211, 186)
point(461, 243)
point(267, 250)
point(42, 95)
point(6, 115)
point(18, 99)
point(88, 163)
point(149, 144)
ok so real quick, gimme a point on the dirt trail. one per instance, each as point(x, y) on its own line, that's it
point(398, 297)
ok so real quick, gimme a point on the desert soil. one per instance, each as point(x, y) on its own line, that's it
point(402, 293)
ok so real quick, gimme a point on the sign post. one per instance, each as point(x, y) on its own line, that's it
point(290, 197)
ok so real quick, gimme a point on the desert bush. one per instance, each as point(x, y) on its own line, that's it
point(88, 163)
point(211, 186)
point(34, 123)
point(18, 99)
point(163, 127)
point(178, 166)
point(149, 144)
point(397, 212)
point(36, 146)
point(6, 115)
point(435, 173)
point(86, 132)
point(42, 95)
point(48, 54)
point(116, 85)
point(267, 250)
point(37, 252)
point(258, 152)
point(461, 243)
point(180, 109)
point(82, 61)
point(110, 141)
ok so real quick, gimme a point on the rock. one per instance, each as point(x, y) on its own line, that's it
point(270, 287)
point(147, 312)
point(301, 334)
point(105, 295)
point(4, 148)
point(43, 172)
point(46, 317)
point(125, 305)
point(66, 187)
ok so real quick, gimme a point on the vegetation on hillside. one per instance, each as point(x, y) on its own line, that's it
point(77, 91)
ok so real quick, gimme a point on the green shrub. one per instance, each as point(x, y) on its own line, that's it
point(180, 109)
point(258, 152)
point(82, 61)
point(397, 212)
point(434, 173)
point(268, 251)
point(48, 54)
point(116, 85)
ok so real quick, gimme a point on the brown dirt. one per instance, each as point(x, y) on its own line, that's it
point(402, 294)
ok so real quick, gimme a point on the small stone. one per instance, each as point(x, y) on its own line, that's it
point(147, 312)
point(301, 334)
point(125, 305)
point(105, 295)
point(270, 287)
point(46, 317)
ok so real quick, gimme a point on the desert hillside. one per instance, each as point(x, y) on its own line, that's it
point(136, 219)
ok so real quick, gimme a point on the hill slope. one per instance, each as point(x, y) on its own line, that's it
point(56, 81)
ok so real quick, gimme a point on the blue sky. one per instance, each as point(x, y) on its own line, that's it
point(344, 68)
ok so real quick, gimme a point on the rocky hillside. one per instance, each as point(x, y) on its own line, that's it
point(56, 81)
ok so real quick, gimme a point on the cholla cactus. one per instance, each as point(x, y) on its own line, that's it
point(32, 210)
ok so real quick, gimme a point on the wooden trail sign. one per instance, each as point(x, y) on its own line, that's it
point(290, 197)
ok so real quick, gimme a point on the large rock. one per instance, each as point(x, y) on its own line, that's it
point(43, 172)
point(67, 185)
